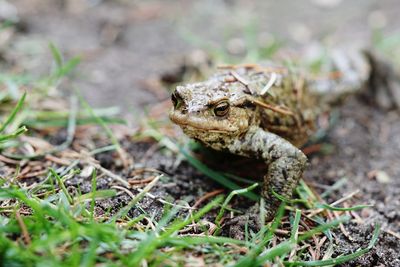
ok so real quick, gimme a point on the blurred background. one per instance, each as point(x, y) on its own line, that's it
point(126, 45)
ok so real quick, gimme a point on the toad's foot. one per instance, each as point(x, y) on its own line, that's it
point(286, 164)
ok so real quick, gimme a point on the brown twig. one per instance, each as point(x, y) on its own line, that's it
point(237, 249)
point(207, 196)
point(357, 217)
point(24, 230)
point(132, 181)
point(8, 160)
point(32, 174)
point(57, 160)
point(285, 232)
point(315, 240)
point(126, 190)
point(273, 108)
point(319, 246)
point(341, 227)
point(23, 172)
point(345, 198)
point(240, 78)
point(312, 149)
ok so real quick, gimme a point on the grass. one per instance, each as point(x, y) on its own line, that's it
point(48, 223)
point(65, 232)
point(48, 226)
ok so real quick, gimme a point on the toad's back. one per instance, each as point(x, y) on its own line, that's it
point(291, 109)
point(284, 104)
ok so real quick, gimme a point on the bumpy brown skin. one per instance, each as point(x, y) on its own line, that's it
point(228, 112)
point(268, 112)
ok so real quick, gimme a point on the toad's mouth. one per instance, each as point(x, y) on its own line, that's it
point(200, 123)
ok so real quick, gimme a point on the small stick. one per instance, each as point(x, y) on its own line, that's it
point(207, 196)
point(126, 190)
point(273, 108)
point(342, 229)
point(280, 70)
point(160, 199)
point(345, 198)
point(32, 174)
point(313, 253)
point(270, 83)
point(239, 249)
point(226, 66)
point(59, 161)
point(319, 245)
point(144, 169)
point(25, 232)
point(24, 172)
point(357, 217)
point(143, 181)
point(239, 78)
point(109, 173)
point(8, 160)
point(285, 232)
point(312, 149)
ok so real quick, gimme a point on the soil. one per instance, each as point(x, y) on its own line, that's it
point(125, 46)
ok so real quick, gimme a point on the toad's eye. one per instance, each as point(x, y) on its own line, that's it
point(176, 99)
point(221, 108)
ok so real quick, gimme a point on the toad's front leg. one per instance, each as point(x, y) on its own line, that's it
point(286, 163)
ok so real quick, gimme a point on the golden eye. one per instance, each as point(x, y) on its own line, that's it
point(221, 108)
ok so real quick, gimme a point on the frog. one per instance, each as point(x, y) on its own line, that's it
point(266, 112)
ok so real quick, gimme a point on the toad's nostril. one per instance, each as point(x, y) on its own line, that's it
point(176, 99)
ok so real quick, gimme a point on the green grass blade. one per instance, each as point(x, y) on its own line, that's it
point(66, 68)
point(329, 207)
point(61, 185)
point(93, 196)
point(134, 200)
point(152, 242)
point(295, 226)
point(269, 255)
point(215, 175)
point(228, 199)
point(100, 121)
point(185, 241)
point(13, 135)
point(14, 112)
point(96, 194)
point(252, 258)
point(56, 55)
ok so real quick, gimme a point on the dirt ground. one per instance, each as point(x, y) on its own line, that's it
point(125, 45)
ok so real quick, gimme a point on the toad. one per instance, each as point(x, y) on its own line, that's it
point(264, 112)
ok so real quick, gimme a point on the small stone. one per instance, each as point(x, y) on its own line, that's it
point(87, 171)
point(365, 213)
point(381, 176)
